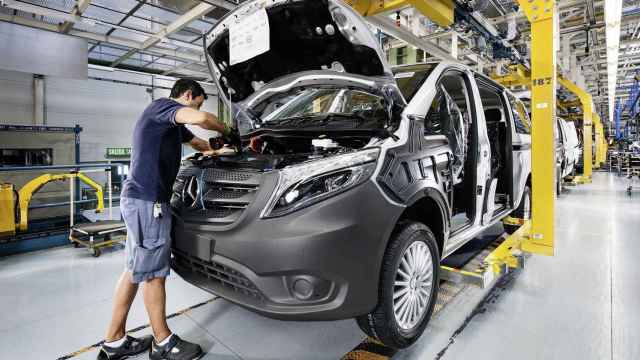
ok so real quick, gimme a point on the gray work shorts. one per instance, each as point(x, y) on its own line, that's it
point(148, 246)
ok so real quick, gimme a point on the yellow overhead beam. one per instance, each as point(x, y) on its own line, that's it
point(543, 108)
point(518, 76)
point(568, 104)
point(439, 11)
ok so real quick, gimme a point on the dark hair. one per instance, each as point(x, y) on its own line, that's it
point(183, 85)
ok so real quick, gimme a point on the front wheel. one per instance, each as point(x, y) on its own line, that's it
point(522, 212)
point(408, 287)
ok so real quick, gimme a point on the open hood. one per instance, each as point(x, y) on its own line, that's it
point(263, 42)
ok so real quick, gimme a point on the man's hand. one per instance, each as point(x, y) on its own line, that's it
point(224, 151)
point(232, 137)
point(199, 145)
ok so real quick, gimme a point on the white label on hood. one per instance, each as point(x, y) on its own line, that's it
point(249, 37)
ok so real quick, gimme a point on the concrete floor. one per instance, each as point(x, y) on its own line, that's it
point(582, 303)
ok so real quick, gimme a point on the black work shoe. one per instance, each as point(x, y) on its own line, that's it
point(175, 349)
point(130, 347)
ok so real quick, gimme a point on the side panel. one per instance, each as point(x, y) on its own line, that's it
point(420, 167)
point(521, 157)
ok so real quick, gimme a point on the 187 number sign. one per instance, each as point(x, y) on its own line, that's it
point(542, 81)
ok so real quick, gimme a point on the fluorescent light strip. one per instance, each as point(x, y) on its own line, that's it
point(612, 15)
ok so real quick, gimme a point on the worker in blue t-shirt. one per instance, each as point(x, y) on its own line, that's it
point(155, 159)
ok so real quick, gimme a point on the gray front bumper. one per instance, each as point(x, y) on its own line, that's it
point(332, 251)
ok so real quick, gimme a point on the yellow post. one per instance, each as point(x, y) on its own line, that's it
point(587, 126)
point(543, 107)
point(601, 143)
point(7, 210)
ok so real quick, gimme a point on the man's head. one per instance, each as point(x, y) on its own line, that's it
point(188, 92)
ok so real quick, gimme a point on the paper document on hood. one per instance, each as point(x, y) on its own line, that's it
point(249, 37)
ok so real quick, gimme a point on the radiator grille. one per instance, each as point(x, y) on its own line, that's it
point(220, 275)
point(216, 195)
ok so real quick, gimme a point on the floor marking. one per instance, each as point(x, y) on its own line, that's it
point(142, 327)
point(501, 285)
point(370, 349)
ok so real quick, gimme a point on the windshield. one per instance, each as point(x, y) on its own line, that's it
point(411, 78)
point(327, 107)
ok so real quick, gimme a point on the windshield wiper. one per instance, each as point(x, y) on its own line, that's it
point(296, 121)
point(314, 120)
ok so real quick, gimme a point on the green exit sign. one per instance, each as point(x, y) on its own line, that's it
point(118, 152)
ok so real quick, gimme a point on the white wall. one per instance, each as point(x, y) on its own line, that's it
point(106, 110)
point(16, 98)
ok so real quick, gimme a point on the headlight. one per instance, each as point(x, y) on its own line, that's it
point(302, 185)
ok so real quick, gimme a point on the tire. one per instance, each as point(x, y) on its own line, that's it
point(522, 212)
point(382, 323)
point(559, 184)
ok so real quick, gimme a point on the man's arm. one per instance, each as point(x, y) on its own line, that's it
point(205, 120)
point(199, 145)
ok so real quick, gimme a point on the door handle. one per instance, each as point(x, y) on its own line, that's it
point(485, 153)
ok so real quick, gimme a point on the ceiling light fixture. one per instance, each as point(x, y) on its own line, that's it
point(612, 15)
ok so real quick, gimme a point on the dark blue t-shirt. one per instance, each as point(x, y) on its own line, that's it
point(155, 152)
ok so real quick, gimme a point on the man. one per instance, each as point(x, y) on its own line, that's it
point(144, 202)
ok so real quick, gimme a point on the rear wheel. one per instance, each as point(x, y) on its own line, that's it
point(522, 212)
point(408, 287)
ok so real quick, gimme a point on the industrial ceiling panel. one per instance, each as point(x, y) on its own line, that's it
point(185, 36)
point(62, 5)
point(103, 14)
point(157, 13)
point(109, 50)
point(201, 26)
point(142, 24)
point(95, 28)
point(49, 19)
point(162, 67)
point(134, 62)
point(103, 57)
point(170, 62)
point(119, 5)
point(177, 6)
point(129, 35)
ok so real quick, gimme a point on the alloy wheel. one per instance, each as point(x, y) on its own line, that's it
point(412, 286)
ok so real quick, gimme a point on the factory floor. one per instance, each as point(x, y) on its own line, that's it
point(580, 304)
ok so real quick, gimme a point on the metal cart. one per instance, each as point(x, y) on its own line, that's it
point(99, 234)
point(95, 236)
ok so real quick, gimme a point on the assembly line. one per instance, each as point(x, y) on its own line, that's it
point(319, 179)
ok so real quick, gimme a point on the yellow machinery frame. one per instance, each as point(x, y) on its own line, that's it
point(535, 235)
point(519, 76)
point(588, 118)
point(439, 11)
point(26, 193)
point(540, 238)
point(538, 235)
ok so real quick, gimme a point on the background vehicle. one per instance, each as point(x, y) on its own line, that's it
point(353, 181)
point(567, 151)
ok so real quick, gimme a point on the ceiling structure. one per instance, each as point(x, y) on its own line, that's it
point(165, 36)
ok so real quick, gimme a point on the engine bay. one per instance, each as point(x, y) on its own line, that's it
point(275, 151)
